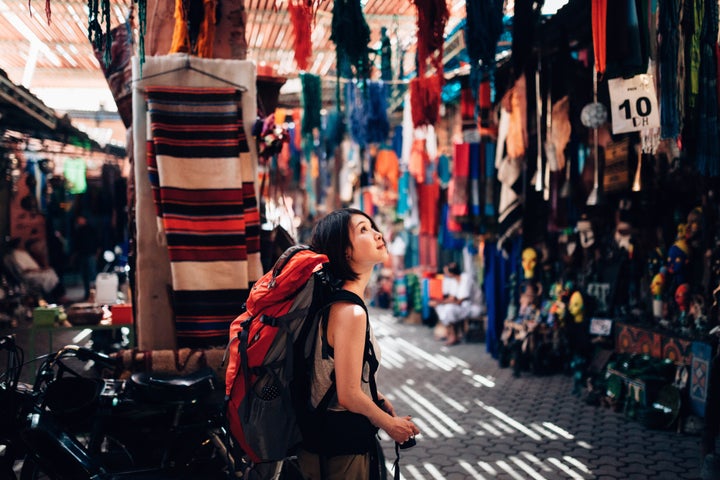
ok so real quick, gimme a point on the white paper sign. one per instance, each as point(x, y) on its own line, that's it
point(633, 104)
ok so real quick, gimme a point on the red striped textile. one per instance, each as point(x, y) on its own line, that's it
point(201, 174)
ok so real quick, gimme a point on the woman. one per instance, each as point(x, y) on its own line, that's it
point(346, 347)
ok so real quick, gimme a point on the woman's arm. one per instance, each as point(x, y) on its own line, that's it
point(346, 334)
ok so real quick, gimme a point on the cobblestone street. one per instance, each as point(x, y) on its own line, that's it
point(479, 422)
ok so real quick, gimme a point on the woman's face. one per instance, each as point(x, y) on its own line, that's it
point(368, 245)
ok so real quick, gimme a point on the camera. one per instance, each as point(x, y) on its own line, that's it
point(409, 443)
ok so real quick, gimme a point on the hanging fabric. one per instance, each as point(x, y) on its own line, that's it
point(599, 32)
point(483, 27)
point(432, 16)
point(356, 114)
point(207, 210)
point(302, 16)
point(461, 173)
point(378, 126)
point(425, 93)
point(194, 31)
point(351, 35)
point(311, 102)
point(668, 50)
point(708, 144)
point(385, 56)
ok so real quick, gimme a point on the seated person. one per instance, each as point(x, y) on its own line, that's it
point(456, 305)
point(43, 279)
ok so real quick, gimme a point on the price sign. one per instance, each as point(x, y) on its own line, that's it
point(633, 104)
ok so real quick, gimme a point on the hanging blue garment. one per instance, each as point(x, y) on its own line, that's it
point(378, 126)
point(447, 239)
point(403, 207)
point(443, 170)
point(490, 179)
point(356, 113)
point(499, 266)
point(669, 31)
point(397, 140)
point(708, 144)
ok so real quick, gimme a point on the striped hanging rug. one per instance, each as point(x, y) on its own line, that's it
point(201, 175)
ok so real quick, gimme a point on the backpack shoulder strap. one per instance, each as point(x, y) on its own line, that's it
point(368, 354)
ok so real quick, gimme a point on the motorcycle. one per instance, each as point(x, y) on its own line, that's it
point(72, 426)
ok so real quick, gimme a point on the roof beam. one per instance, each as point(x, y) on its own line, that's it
point(26, 102)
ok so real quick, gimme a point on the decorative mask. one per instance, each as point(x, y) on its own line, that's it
point(682, 297)
point(529, 262)
point(576, 306)
point(657, 286)
point(677, 257)
point(623, 236)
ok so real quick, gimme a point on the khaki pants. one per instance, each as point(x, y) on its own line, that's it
point(340, 467)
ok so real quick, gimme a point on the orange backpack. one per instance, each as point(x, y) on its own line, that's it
point(271, 347)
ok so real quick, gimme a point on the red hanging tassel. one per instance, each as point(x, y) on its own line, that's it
point(302, 14)
point(432, 16)
point(425, 99)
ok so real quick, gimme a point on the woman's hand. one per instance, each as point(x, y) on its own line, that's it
point(401, 429)
point(387, 406)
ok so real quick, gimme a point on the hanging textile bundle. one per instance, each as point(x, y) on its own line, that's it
point(302, 15)
point(351, 34)
point(425, 99)
point(669, 32)
point(142, 24)
point(385, 55)
point(378, 126)
point(357, 114)
point(483, 27)
point(194, 27)
point(311, 102)
point(599, 26)
point(95, 33)
point(708, 148)
point(432, 15)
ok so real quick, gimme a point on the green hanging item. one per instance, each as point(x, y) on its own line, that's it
point(74, 172)
point(142, 23)
point(311, 102)
point(351, 35)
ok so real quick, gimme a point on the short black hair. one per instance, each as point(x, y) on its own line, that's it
point(331, 236)
point(453, 268)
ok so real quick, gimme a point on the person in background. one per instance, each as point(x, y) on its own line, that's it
point(45, 280)
point(86, 248)
point(343, 437)
point(455, 305)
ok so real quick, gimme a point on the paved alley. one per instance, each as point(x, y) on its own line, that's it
point(479, 422)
